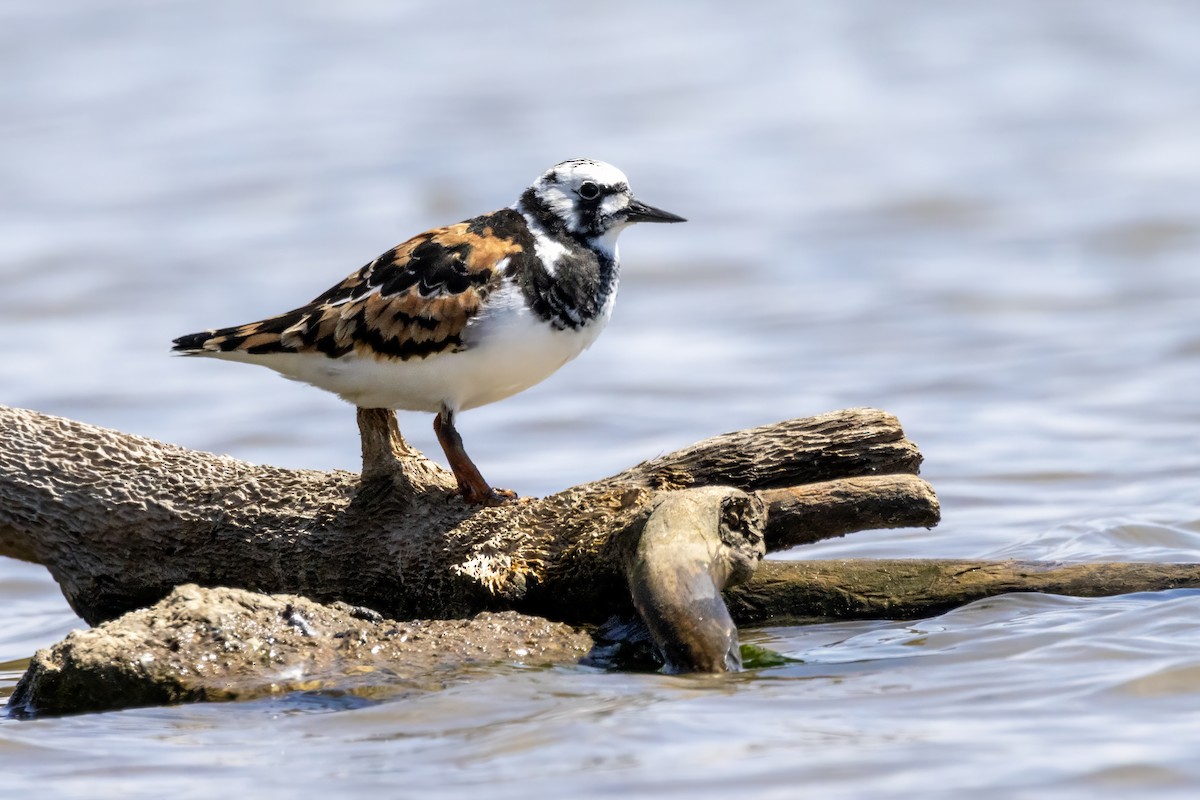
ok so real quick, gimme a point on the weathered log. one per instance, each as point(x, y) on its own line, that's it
point(120, 520)
point(684, 559)
point(229, 644)
point(805, 514)
point(791, 591)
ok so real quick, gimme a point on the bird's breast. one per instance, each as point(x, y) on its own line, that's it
point(509, 348)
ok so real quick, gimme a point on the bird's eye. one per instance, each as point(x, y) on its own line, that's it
point(589, 190)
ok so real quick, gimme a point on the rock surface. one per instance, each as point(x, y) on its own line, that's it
point(201, 644)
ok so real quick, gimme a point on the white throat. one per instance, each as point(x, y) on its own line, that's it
point(606, 242)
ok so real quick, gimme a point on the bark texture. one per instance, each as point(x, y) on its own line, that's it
point(120, 520)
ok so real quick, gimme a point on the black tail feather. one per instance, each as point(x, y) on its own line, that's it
point(192, 342)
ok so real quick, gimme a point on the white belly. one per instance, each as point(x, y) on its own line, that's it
point(508, 351)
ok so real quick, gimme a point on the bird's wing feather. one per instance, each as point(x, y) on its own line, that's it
point(414, 301)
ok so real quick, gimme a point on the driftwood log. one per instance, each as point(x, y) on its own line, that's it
point(120, 521)
point(803, 591)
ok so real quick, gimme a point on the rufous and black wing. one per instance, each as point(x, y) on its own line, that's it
point(413, 301)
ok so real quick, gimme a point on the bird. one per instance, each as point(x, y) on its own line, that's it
point(459, 316)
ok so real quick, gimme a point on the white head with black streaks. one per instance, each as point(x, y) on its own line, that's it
point(588, 200)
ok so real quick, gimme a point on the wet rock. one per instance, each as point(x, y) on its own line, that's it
point(201, 644)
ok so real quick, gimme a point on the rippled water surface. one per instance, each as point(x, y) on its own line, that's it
point(984, 218)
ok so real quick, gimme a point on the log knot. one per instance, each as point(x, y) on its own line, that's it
point(742, 520)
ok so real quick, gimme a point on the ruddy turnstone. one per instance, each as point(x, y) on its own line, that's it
point(460, 316)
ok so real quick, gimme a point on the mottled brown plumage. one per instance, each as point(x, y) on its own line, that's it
point(413, 301)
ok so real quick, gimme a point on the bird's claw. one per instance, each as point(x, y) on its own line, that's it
point(490, 497)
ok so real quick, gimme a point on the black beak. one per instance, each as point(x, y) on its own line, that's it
point(637, 211)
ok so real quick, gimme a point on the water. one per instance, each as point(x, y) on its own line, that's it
point(983, 219)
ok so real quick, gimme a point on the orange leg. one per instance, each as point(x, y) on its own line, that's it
point(474, 488)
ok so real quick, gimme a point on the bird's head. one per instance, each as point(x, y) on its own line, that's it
point(589, 200)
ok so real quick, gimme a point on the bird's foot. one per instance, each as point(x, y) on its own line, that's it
point(488, 496)
point(471, 485)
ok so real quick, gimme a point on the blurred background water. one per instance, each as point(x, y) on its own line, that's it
point(984, 218)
